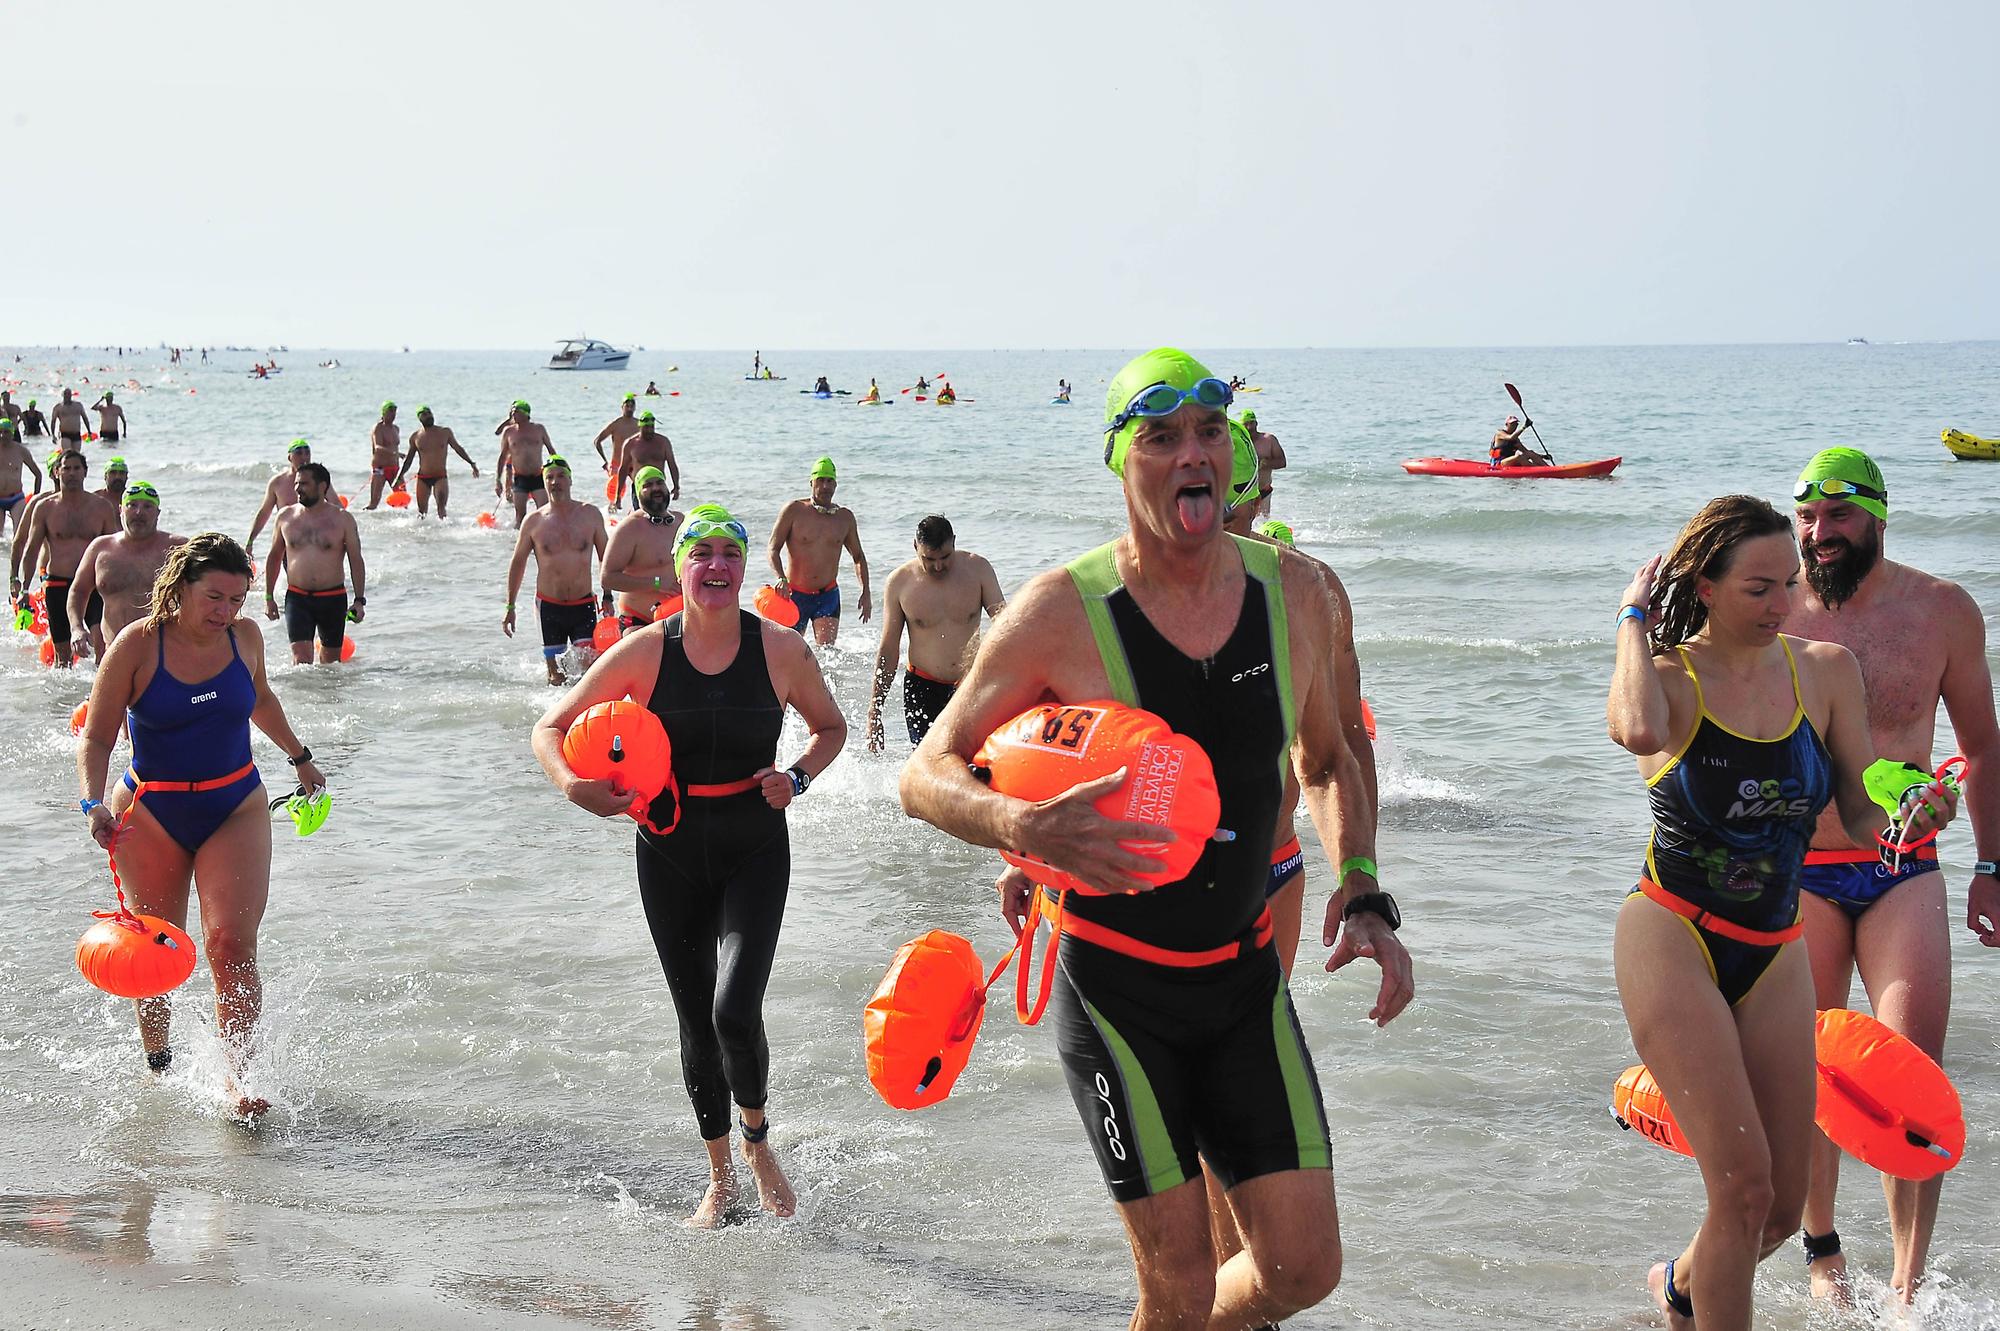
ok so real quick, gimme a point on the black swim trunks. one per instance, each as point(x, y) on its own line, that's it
point(923, 699)
point(529, 484)
point(566, 622)
point(321, 614)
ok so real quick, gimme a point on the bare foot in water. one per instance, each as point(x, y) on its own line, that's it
point(716, 1203)
point(1656, 1281)
point(774, 1193)
point(1829, 1280)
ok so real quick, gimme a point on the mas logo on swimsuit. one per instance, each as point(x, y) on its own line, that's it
point(1770, 799)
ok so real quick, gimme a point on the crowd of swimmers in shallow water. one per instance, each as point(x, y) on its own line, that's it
point(1175, 1025)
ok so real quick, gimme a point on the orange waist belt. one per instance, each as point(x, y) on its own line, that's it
point(325, 591)
point(723, 788)
point(1715, 924)
point(1855, 856)
point(141, 786)
point(1259, 935)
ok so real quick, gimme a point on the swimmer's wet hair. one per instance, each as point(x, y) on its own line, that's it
point(201, 554)
point(933, 532)
point(1705, 548)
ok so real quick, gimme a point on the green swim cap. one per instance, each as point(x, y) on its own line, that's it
point(557, 461)
point(1277, 531)
point(423, 410)
point(1162, 365)
point(703, 522)
point(824, 467)
point(647, 416)
point(115, 464)
point(7, 422)
point(141, 490)
point(631, 397)
point(1249, 419)
point(31, 402)
point(522, 407)
point(1850, 465)
point(298, 446)
point(644, 474)
point(388, 406)
point(1242, 468)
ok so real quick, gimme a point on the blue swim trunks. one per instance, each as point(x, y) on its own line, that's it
point(822, 604)
point(7, 502)
point(1854, 880)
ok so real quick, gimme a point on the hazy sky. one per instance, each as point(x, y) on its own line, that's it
point(1001, 175)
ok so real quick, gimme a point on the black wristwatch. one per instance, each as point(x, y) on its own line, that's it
point(800, 781)
point(1988, 868)
point(1375, 903)
point(305, 756)
point(361, 600)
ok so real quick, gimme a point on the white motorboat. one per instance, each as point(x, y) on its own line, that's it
point(587, 353)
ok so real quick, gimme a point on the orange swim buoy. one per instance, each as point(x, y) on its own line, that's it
point(919, 1027)
point(667, 608)
point(483, 520)
point(48, 652)
point(625, 744)
point(611, 487)
point(342, 499)
point(347, 648)
point(1368, 719)
point(775, 606)
point(399, 498)
point(134, 956)
point(605, 636)
point(1881, 1099)
point(1169, 783)
point(79, 718)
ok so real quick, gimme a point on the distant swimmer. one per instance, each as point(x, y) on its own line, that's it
point(70, 421)
point(282, 490)
point(116, 472)
point(938, 597)
point(646, 447)
point(1920, 640)
point(61, 528)
point(111, 425)
point(33, 423)
point(720, 680)
point(1174, 1025)
point(315, 543)
point(1270, 458)
point(1509, 450)
point(806, 542)
point(564, 536)
point(523, 444)
point(122, 567)
point(385, 445)
point(638, 570)
point(1062, 390)
point(822, 386)
point(431, 446)
point(189, 677)
point(15, 455)
point(652, 389)
point(620, 428)
point(9, 411)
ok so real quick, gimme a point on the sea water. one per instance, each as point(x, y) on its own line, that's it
point(473, 1060)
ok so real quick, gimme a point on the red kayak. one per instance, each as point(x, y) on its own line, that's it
point(1471, 467)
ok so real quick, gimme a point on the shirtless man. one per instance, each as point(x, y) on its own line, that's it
point(563, 535)
point(620, 428)
point(1919, 640)
point(1270, 458)
point(69, 420)
point(120, 568)
point(115, 475)
point(310, 540)
point(811, 534)
point(32, 424)
point(385, 443)
point(282, 490)
point(646, 447)
point(522, 444)
point(62, 527)
point(14, 455)
point(939, 595)
point(110, 419)
point(428, 445)
point(8, 411)
point(639, 561)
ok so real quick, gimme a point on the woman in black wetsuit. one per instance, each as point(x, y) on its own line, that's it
point(1743, 735)
point(719, 678)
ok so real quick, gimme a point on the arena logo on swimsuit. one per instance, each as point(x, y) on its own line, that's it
point(1770, 799)
point(204, 697)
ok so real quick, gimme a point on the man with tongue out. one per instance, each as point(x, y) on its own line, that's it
point(1174, 1024)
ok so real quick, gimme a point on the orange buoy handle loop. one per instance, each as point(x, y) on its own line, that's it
point(642, 812)
point(1022, 1012)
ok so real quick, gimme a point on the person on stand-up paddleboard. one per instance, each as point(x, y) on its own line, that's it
point(1920, 640)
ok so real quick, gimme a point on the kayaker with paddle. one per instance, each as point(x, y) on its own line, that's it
point(1743, 736)
point(1508, 450)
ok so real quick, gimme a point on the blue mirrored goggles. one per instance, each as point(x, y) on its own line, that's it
point(1835, 488)
point(1164, 400)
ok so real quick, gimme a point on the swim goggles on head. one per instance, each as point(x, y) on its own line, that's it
point(1832, 487)
point(1164, 400)
point(308, 809)
point(143, 491)
point(699, 529)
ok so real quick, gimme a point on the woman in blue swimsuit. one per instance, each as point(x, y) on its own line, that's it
point(1743, 735)
point(189, 682)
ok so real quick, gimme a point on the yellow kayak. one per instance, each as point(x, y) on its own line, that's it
point(1970, 446)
